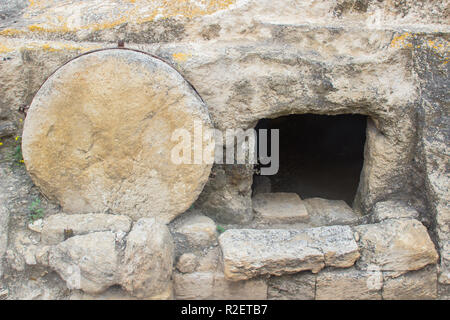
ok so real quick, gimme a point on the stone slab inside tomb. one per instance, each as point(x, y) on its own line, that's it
point(224, 150)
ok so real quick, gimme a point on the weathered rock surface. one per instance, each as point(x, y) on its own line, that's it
point(200, 231)
point(193, 286)
point(81, 151)
point(279, 207)
point(187, 263)
point(414, 285)
point(227, 195)
point(324, 212)
point(7, 129)
point(248, 253)
point(224, 289)
point(393, 209)
point(4, 221)
point(87, 262)
point(214, 285)
point(210, 261)
point(349, 284)
point(148, 259)
point(398, 245)
point(300, 286)
point(385, 59)
point(55, 226)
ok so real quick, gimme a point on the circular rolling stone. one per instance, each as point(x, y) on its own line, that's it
point(97, 136)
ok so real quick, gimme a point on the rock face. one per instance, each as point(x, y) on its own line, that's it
point(393, 209)
point(96, 141)
point(148, 259)
point(324, 212)
point(300, 286)
point(248, 253)
point(415, 285)
point(198, 230)
point(4, 221)
point(279, 207)
point(349, 284)
point(214, 286)
point(57, 225)
point(226, 197)
point(249, 60)
point(88, 262)
point(399, 245)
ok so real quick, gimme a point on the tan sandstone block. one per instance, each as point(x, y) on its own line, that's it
point(280, 207)
point(98, 136)
point(349, 284)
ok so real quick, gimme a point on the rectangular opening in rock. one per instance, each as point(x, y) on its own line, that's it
point(320, 156)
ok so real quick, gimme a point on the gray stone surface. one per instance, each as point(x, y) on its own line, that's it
point(4, 223)
point(397, 245)
point(300, 286)
point(248, 253)
point(55, 226)
point(384, 59)
point(7, 128)
point(148, 259)
point(349, 284)
point(88, 262)
point(324, 212)
point(214, 285)
point(187, 263)
point(226, 196)
point(198, 230)
point(279, 208)
point(414, 285)
point(393, 209)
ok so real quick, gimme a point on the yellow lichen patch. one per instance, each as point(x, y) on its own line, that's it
point(438, 46)
point(401, 40)
point(181, 57)
point(99, 18)
point(42, 28)
point(5, 49)
point(11, 32)
point(45, 46)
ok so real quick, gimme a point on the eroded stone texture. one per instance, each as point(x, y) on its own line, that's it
point(226, 197)
point(224, 289)
point(393, 209)
point(324, 212)
point(397, 245)
point(87, 262)
point(349, 284)
point(96, 141)
point(414, 285)
point(4, 221)
point(248, 253)
point(214, 285)
point(187, 263)
point(200, 231)
point(193, 286)
point(57, 225)
point(279, 207)
point(312, 60)
point(300, 286)
point(148, 259)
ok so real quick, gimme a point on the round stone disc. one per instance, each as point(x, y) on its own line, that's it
point(98, 136)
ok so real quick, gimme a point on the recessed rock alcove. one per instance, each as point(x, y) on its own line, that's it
point(320, 155)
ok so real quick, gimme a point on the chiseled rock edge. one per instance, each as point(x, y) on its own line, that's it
point(250, 253)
